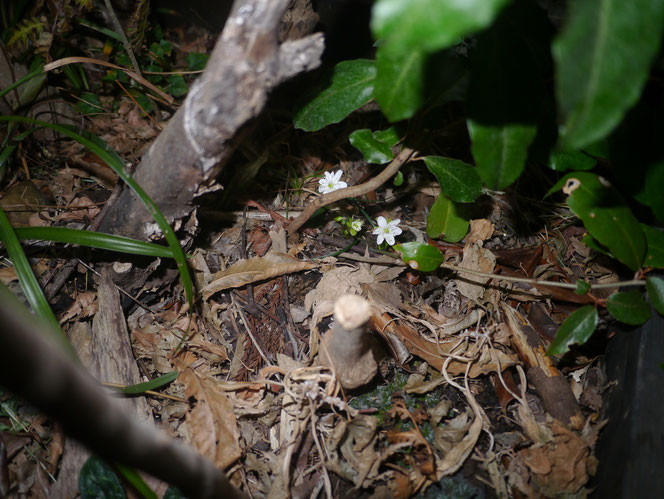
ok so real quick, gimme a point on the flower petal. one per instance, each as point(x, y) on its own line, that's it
point(382, 223)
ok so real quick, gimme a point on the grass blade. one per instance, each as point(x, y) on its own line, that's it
point(97, 240)
point(150, 385)
point(112, 159)
point(29, 283)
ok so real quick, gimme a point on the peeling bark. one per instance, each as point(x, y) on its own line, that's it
point(247, 62)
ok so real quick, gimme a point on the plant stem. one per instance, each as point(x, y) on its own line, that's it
point(354, 191)
point(554, 284)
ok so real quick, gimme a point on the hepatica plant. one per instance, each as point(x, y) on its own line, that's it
point(497, 58)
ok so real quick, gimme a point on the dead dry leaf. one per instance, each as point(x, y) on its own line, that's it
point(561, 465)
point(480, 230)
point(211, 420)
point(479, 259)
point(255, 269)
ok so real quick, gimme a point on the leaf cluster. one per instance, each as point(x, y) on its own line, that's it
point(571, 98)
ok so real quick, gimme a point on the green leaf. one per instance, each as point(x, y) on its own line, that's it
point(399, 83)
point(655, 288)
point(112, 159)
point(33, 85)
point(352, 86)
point(33, 74)
point(98, 481)
point(176, 86)
point(29, 283)
point(606, 216)
point(420, 256)
point(577, 328)
point(374, 150)
point(444, 219)
point(500, 152)
point(582, 287)
point(655, 243)
point(398, 179)
point(89, 103)
point(562, 161)
point(603, 57)
point(150, 385)
point(458, 180)
point(94, 240)
point(196, 60)
point(390, 136)
point(136, 480)
point(628, 307)
point(429, 25)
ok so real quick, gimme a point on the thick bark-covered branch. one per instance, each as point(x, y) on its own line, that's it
point(246, 64)
point(36, 368)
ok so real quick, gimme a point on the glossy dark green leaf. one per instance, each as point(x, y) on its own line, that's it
point(429, 25)
point(500, 151)
point(562, 161)
point(655, 288)
point(420, 256)
point(582, 287)
point(444, 220)
point(399, 83)
point(655, 244)
point(352, 86)
point(150, 385)
point(390, 136)
point(374, 150)
point(606, 216)
point(94, 240)
point(98, 481)
point(458, 180)
point(628, 307)
point(603, 57)
point(577, 329)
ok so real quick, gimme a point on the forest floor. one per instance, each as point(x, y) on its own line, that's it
point(464, 402)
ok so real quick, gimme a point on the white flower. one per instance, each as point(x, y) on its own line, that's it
point(386, 230)
point(331, 182)
point(356, 225)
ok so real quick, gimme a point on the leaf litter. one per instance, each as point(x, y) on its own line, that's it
point(459, 394)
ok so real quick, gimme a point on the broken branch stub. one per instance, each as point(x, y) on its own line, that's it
point(246, 64)
point(348, 348)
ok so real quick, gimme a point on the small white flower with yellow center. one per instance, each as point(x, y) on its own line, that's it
point(356, 226)
point(386, 230)
point(331, 182)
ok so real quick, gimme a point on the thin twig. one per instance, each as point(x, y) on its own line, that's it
point(354, 191)
point(537, 282)
point(118, 29)
point(251, 334)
